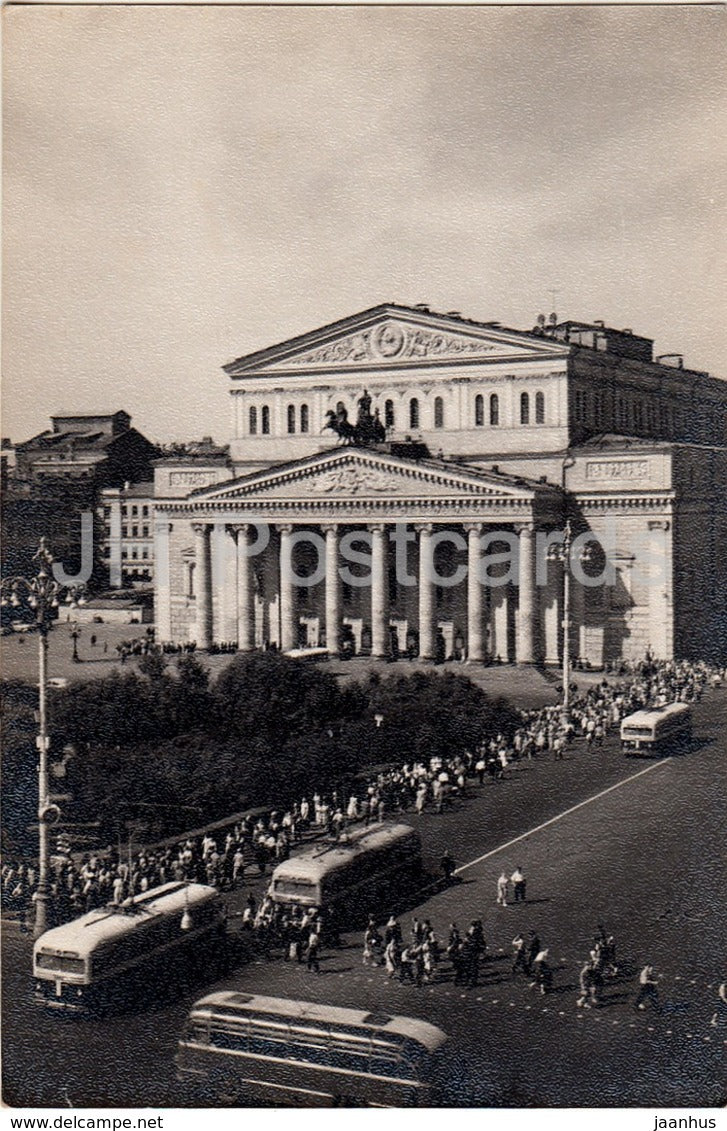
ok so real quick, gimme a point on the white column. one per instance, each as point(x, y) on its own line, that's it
point(288, 633)
point(379, 591)
point(162, 581)
point(475, 594)
point(224, 577)
point(577, 618)
point(245, 591)
point(427, 642)
point(333, 591)
point(203, 585)
point(661, 635)
point(499, 622)
point(527, 598)
point(552, 612)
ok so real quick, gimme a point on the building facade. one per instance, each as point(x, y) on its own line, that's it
point(127, 545)
point(57, 479)
point(428, 533)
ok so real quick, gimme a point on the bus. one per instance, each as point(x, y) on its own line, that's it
point(105, 956)
point(250, 1050)
point(360, 872)
point(657, 730)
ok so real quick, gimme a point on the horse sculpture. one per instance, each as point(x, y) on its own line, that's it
point(338, 422)
point(368, 429)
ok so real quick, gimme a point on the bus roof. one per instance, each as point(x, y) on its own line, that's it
point(315, 863)
point(648, 715)
point(421, 1031)
point(81, 936)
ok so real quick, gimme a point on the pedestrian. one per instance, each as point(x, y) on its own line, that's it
point(470, 960)
point(392, 931)
point(589, 983)
point(647, 988)
point(448, 865)
point(519, 958)
point(503, 885)
point(392, 957)
point(518, 885)
point(406, 964)
point(313, 951)
point(532, 949)
point(719, 1017)
point(542, 972)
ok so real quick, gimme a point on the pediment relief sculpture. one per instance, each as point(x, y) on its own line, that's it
point(392, 341)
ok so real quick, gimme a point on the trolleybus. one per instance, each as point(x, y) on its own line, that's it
point(354, 875)
point(658, 730)
point(250, 1049)
point(110, 955)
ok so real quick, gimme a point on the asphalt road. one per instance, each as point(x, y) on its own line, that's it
point(639, 847)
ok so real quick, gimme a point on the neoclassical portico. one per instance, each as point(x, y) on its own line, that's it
point(363, 550)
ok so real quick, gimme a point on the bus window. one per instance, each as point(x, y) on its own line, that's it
point(229, 1037)
point(294, 887)
point(60, 962)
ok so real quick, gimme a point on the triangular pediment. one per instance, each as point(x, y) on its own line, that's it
point(393, 336)
point(352, 473)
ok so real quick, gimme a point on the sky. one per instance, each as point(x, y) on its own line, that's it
point(185, 185)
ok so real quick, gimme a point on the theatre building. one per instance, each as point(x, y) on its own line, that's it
point(396, 482)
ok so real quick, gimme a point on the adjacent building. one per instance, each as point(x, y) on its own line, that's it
point(425, 444)
point(58, 476)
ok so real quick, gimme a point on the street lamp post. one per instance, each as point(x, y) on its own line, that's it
point(75, 633)
point(40, 593)
point(75, 599)
point(561, 552)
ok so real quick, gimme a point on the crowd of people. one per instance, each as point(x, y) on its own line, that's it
point(254, 843)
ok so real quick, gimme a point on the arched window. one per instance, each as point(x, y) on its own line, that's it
point(304, 418)
point(540, 408)
point(413, 413)
point(265, 420)
point(524, 408)
point(253, 421)
point(291, 418)
point(438, 412)
point(389, 419)
point(479, 410)
point(494, 409)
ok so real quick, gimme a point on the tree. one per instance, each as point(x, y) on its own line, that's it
point(429, 715)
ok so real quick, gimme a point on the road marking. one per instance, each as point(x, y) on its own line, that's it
point(559, 816)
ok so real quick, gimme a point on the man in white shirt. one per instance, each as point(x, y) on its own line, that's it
point(518, 885)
